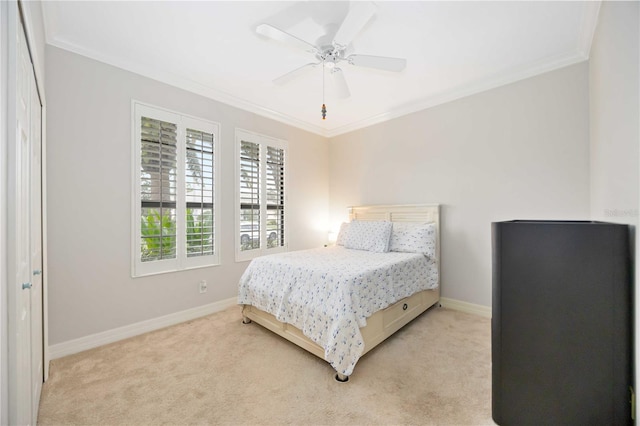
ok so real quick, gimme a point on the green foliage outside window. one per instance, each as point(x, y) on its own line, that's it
point(158, 235)
point(199, 234)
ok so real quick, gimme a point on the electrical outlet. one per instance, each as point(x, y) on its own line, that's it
point(202, 286)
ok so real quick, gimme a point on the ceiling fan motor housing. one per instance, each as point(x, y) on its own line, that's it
point(329, 55)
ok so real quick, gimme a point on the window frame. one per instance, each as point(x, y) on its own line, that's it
point(263, 142)
point(181, 261)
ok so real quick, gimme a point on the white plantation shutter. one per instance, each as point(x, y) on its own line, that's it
point(200, 215)
point(275, 197)
point(174, 196)
point(260, 207)
point(249, 196)
point(158, 172)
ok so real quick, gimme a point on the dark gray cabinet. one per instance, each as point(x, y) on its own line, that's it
point(561, 324)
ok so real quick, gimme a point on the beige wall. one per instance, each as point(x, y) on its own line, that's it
point(520, 151)
point(89, 190)
point(614, 113)
point(614, 92)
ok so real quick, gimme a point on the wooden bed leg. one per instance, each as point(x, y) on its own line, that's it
point(341, 378)
point(246, 320)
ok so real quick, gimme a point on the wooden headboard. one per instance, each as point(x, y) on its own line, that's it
point(416, 213)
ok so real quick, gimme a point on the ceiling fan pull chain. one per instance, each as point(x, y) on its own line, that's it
point(324, 108)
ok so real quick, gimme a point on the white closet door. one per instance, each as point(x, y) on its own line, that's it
point(22, 252)
point(37, 363)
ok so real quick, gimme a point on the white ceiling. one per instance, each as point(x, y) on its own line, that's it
point(453, 49)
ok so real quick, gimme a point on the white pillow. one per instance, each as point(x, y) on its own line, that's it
point(414, 239)
point(342, 234)
point(368, 235)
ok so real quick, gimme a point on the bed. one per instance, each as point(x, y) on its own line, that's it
point(338, 303)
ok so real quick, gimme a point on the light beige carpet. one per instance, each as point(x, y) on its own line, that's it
point(215, 370)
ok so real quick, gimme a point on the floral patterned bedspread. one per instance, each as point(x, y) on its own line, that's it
point(328, 293)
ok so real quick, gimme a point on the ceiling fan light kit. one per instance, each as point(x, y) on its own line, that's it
point(329, 53)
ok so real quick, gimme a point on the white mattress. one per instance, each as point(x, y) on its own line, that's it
point(328, 293)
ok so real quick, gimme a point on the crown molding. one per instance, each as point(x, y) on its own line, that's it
point(589, 24)
point(588, 28)
point(186, 84)
point(498, 80)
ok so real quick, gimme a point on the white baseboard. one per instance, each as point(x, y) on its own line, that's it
point(470, 308)
point(94, 340)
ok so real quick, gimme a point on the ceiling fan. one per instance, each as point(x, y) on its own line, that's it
point(333, 51)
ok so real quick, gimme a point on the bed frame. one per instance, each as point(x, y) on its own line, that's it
point(383, 323)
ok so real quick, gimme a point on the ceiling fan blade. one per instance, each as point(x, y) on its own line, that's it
point(292, 75)
point(359, 14)
point(340, 84)
point(378, 62)
point(277, 34)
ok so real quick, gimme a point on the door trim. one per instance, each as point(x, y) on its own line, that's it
point(4, 99)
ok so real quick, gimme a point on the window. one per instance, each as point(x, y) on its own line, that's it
point(175, 193)
point(260, 207)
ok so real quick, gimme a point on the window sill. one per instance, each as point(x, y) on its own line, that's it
point(172, 271)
